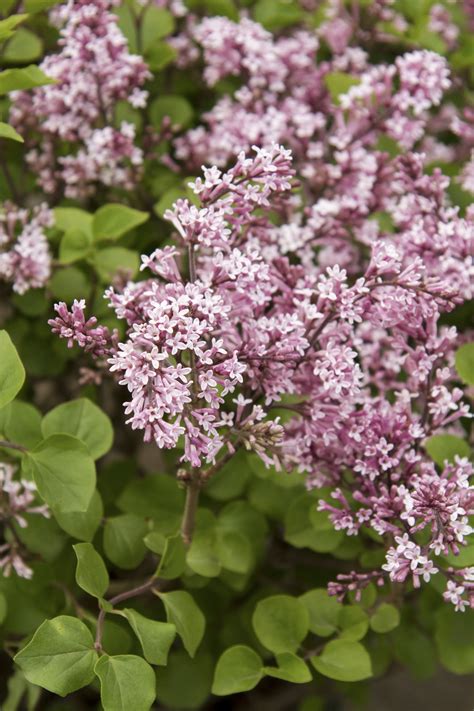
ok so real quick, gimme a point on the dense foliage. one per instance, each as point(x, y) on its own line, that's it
point(236, 263)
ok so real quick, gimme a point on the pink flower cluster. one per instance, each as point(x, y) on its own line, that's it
point(211, 349)
point(285, 97)
point(17, 498)
point(25, 259)
point(190, 343)
point(93, 71)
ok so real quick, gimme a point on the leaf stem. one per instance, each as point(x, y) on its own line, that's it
point(121, 597)
point(190, 508)
point(12, 445)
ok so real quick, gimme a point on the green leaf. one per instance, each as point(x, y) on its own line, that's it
point(60, 657)
point(115, 260)
point(82, 524)
point(223, 8)
point(182, 611)
point(20, 422)
point(185, 683)
point(156, 496)
point(7, 26)
point(290, 668)
point(155, 637)
point(339, 83)
point(167, 199)
point(277, 14)
point(73, 218)
point(3, 607)
point(27, 78)
point(175, 107)
point(172, 551)
point(354, 623)
point(305, 527)
point(281, 623)
point(123, 540)
point(465, 363)
point(23, 47)
point(84, 420)
point(323, 611)
point(91, 573)
point(160, 55)
point(156, 24)
point(454, 635)
point(414, 650)
point(7, 131)
point(69, 283)
point(239, 669)
point(112, 221)
point(126, 682)
point(33, 6)
point(344, 661)
point(74, 245)
point(442, 448)
point(325, 537)
point(63, 471)
point(202, 555)
point(235, 552)
point(12, 372)
point(385, 618)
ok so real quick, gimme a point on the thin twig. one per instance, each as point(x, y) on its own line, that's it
point(12, 445)
point(121, 597)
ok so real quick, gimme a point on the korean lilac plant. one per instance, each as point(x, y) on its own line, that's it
point(236, 372)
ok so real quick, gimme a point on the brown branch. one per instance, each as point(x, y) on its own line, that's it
point(121, 597)
point(12, 445)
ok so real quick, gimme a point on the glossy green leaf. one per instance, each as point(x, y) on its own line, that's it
point(344, 661)
point(202, 556)
point(290, 668)
point(20, 422)
point(155, 637)
point(172, 551)
point(63, 471)
point(60, 657)
point(126, 682)
point(385, 618)
point(339, 83)
point(239, 669)
point(324, 611)
point(23, 47)
point(112, 261)
point(182, 611)
point(354, 623)
point(84, 420)
point(7, 26)
point(465, 363)
point(69, 283)
point(281, 623)
point(27, 78)
point(445, 447)
point(73, 218)
point(156, 24)
point(123, 540)
point(235, 552)
point(185, 683)
point(174, 107)
point(112, 221)
point(75, 245)
point(454, 635)
point(82, 524)
point(12, 373)
point(7, 131)
point(91, 573)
